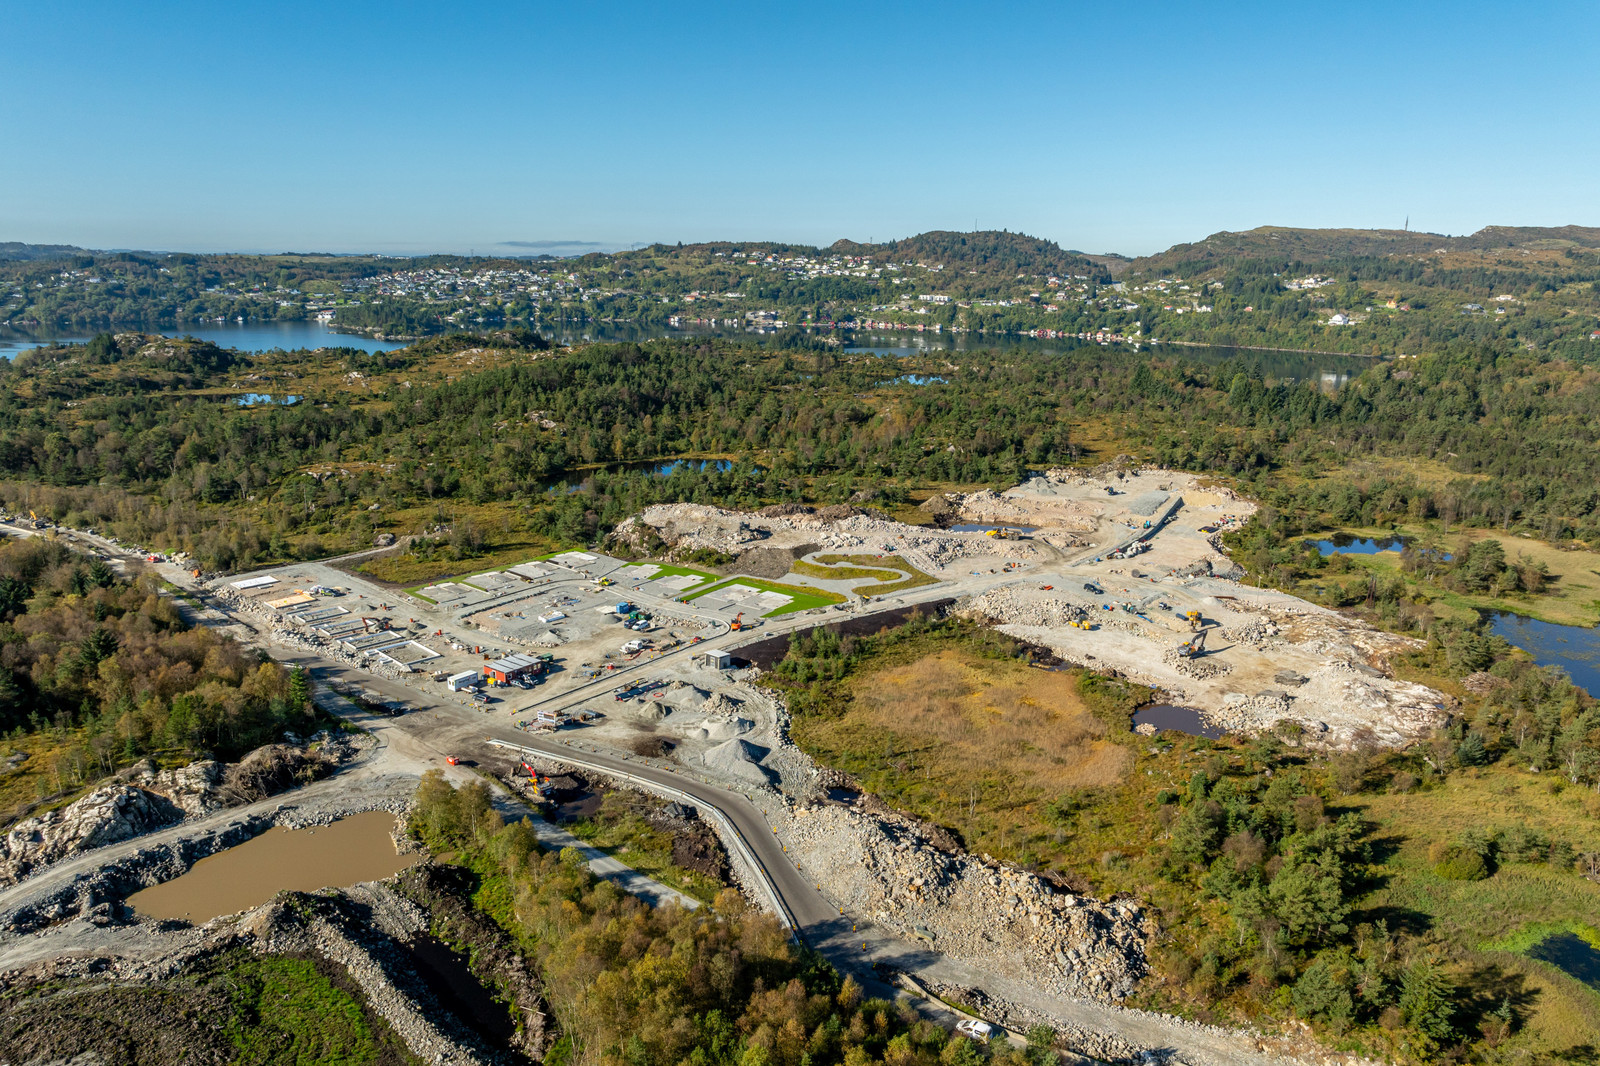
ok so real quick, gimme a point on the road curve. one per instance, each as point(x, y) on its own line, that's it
point(855, 946)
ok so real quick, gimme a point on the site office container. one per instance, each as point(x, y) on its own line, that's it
point(465, 679)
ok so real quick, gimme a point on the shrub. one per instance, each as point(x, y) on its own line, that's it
point(1453, 862)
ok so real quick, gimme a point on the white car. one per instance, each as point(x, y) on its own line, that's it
point(979, 1031)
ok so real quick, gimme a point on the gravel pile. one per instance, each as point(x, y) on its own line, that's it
point(883, 867)
point(739, 760)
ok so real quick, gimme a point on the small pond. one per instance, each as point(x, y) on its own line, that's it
point(448, 975)
point(919, 379)
point(351, 850)
point(250, 399)
point(1573, 648)
point(1570, 954)
point(1178, 719)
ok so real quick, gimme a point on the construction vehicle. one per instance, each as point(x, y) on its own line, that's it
point(1194, 620)
point(1195, 646)
point(737, 623)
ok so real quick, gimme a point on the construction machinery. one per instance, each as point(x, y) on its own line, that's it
point(1195, 646)
point(1196, 623)
point(737, 623)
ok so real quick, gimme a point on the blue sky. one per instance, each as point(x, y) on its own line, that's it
point(405, 127)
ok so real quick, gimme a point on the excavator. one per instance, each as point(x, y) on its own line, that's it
point(1195, 646)
point(737, 623)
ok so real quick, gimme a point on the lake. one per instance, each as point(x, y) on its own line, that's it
point(573, 482)
point(1573, 648)
point(1345, 544)
point(246, 337)
point(1328, 371)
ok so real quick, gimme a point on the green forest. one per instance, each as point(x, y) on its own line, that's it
point(144, 436)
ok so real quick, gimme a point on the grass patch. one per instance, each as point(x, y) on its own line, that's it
point(410, 570)
point(912, 579)
point(804, 597)
point(843, 573)
point(1530, 934)
point(982, 745)
point(672, 570)
point(287, 1010)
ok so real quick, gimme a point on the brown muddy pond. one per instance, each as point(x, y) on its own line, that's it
point(351, 850)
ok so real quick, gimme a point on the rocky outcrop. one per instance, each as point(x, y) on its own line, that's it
point(105, 816)
point(993, 915)
point(192, 789)
point(150, 799)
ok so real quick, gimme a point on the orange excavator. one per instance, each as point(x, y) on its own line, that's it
point(737, 623)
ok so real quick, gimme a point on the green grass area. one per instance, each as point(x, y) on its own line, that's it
point(843, 573)
point(804, 597)
point(410, 570)
point(1530, 934)
point(913, 578)
point(289, 1010)
point(673, 570)
point(620, 830)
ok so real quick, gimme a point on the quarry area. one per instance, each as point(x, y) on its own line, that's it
point(632, 661)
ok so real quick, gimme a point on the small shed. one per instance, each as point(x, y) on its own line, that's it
point(717, 659)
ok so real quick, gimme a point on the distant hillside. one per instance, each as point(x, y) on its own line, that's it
point(988, 251)
point(1286, 244)
point(16, 251)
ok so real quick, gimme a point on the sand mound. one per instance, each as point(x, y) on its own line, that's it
point(740, 760)
point(726, 728)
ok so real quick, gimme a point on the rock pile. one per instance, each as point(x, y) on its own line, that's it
point(1021, 607)
point(884, 867)
point(1199, 669)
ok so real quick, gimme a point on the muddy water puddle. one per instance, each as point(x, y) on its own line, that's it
point(1179, 719)
point(351, 850)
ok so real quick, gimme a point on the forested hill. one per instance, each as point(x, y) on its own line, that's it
point(1287, 244)
point(16, 251)
point(987, 250)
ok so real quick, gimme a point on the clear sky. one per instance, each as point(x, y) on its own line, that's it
point(497, 127)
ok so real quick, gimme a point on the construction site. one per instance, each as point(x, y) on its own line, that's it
point(1123, 572)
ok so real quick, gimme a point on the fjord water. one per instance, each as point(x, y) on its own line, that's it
point(349, 851)
point(245, 337)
